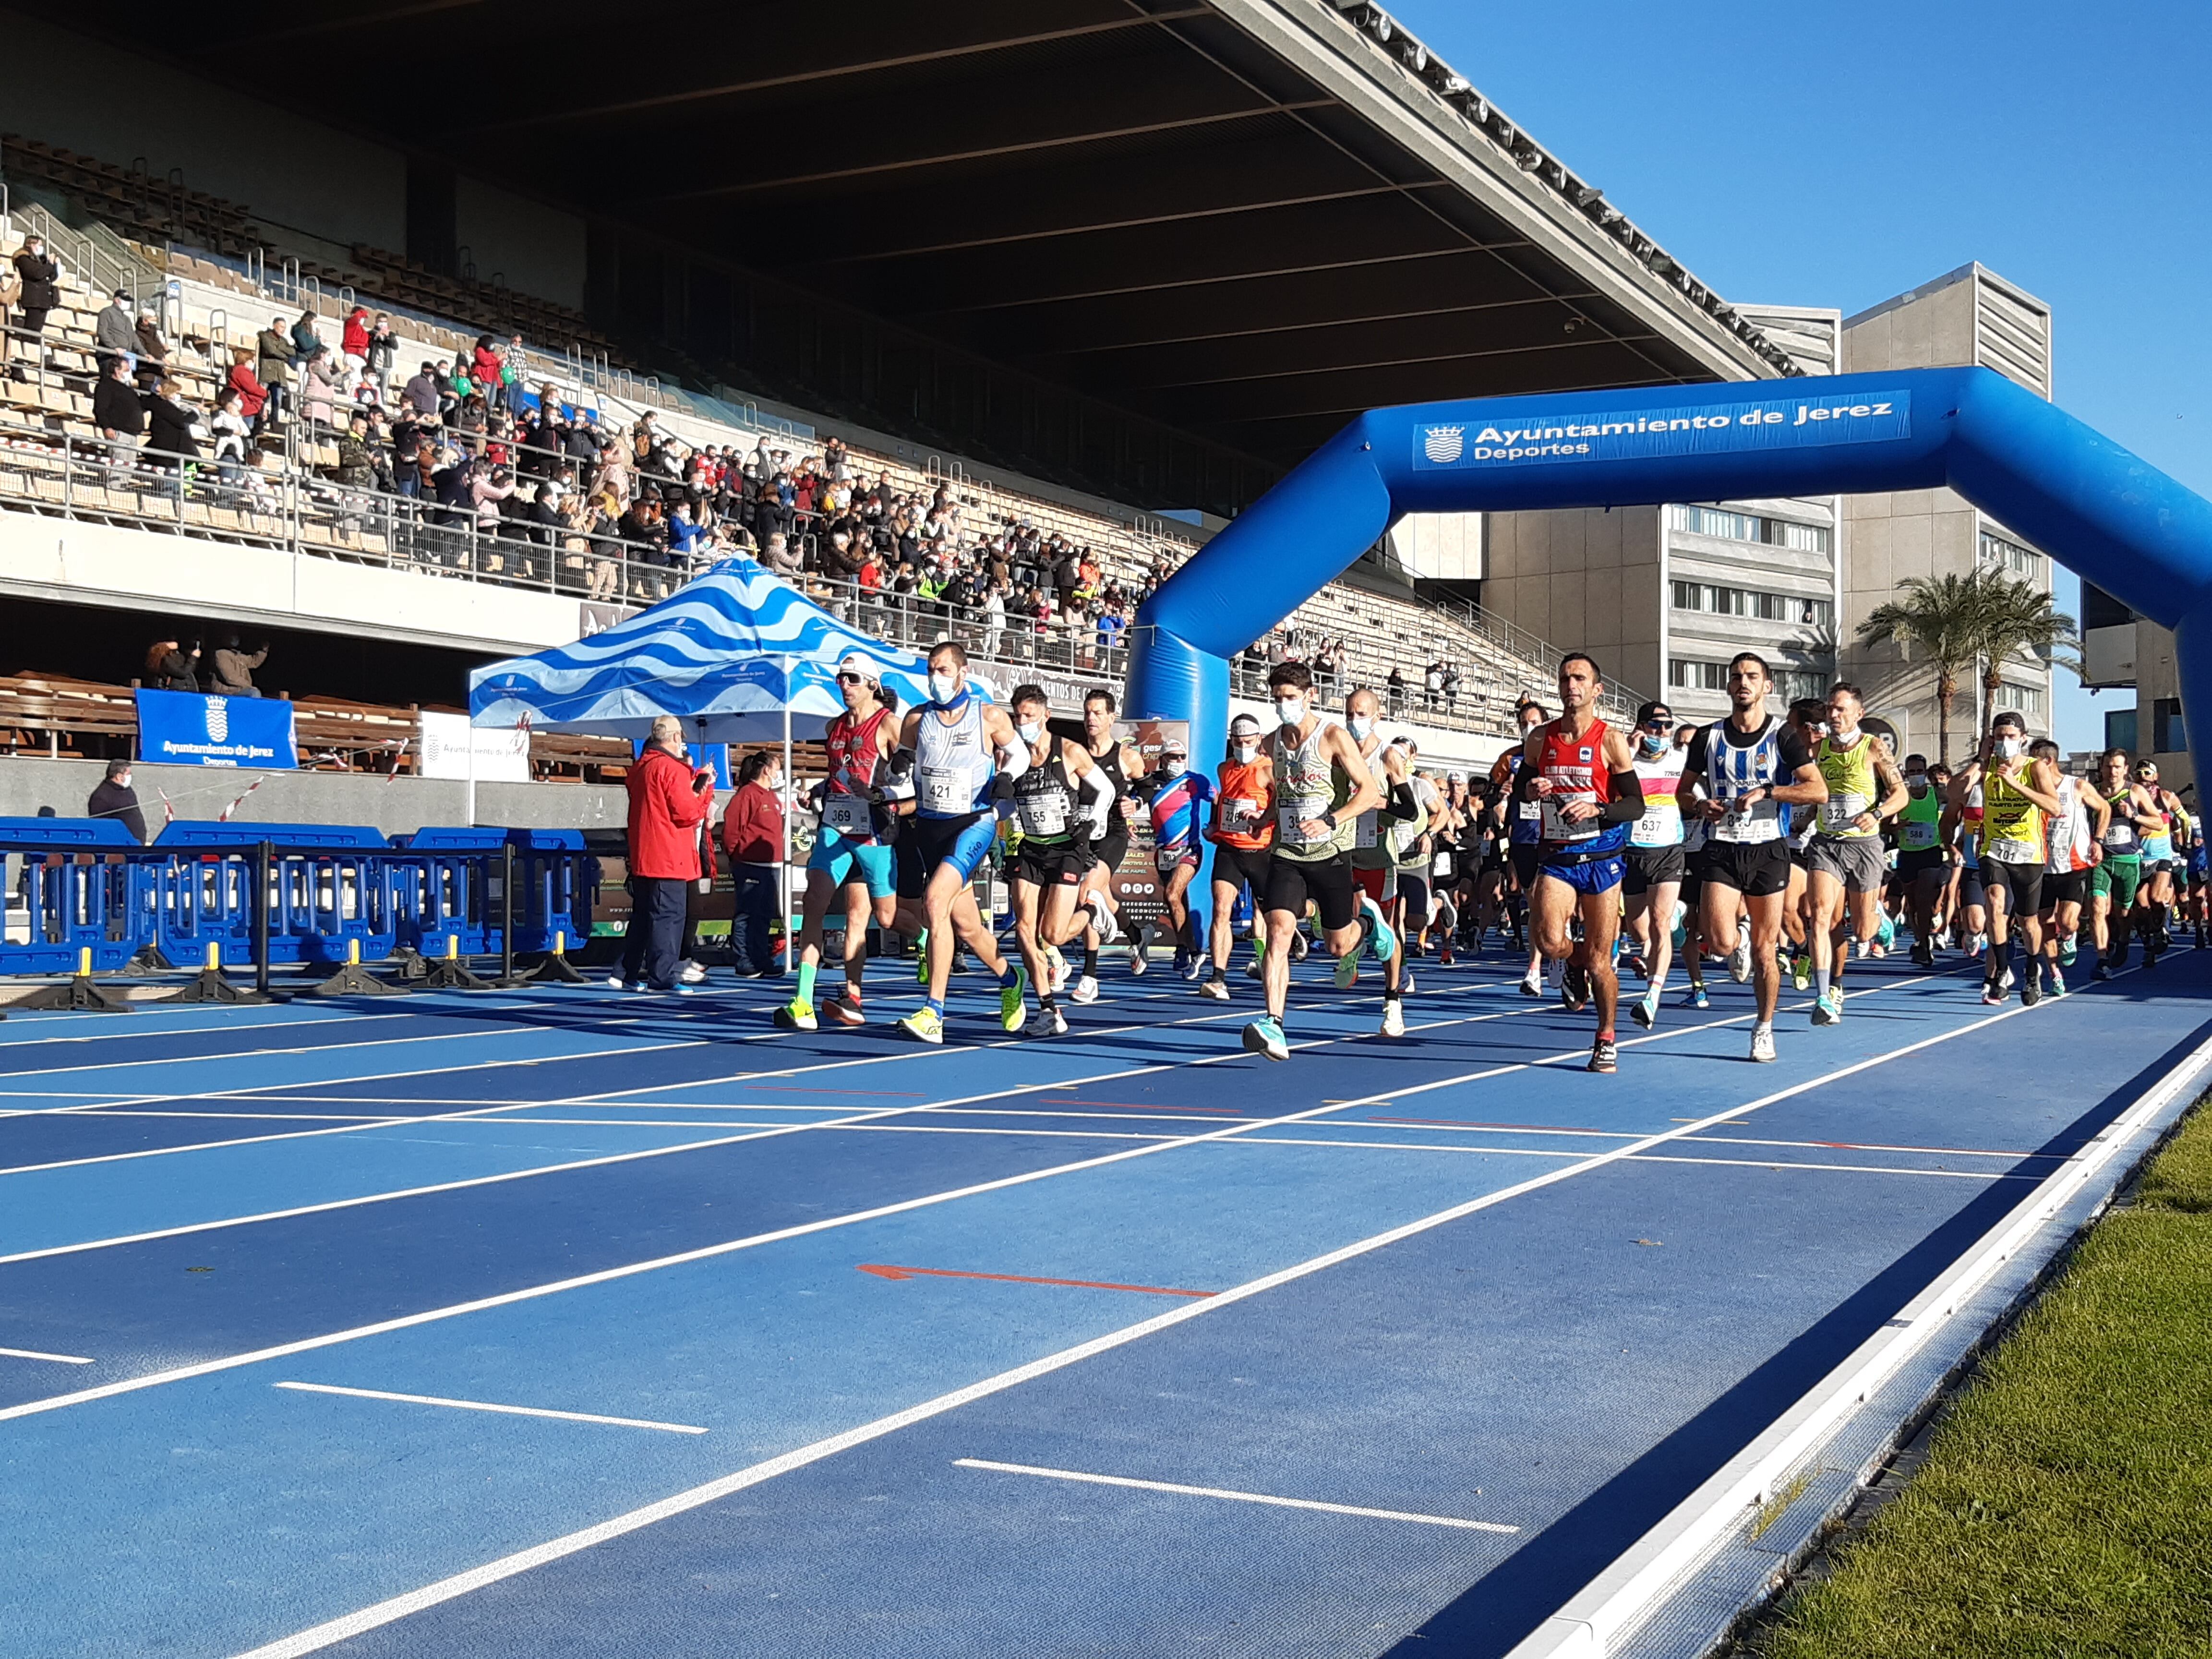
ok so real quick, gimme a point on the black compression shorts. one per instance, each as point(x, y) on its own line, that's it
point(1326, 882)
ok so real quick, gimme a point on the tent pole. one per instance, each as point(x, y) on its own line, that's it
point(783, 876)
point(469, 789)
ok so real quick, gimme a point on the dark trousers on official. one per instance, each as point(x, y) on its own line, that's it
point(657, 907)
point(754, 903)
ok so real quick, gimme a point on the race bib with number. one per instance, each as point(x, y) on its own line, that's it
point(2121, 837)
point(846, 814)
point(1558, 828)
point(1238, 815)
point(1362, 832)
point(1751, 825)
point(1915, 837)
point(1167, 858)
point(1838, 812)
point(2006, 850)
point(1045, 813)
point(1441, 864)
point(1661, 825)
point(1292, 815)
point(1527, 809)
point(945, 794)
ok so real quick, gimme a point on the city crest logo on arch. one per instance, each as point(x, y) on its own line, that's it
point(1442, 444)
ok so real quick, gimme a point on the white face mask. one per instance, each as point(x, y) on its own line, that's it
point(1362, 724)
point(943, 687)
point(1245, 752)
point(1292, 711)
point(1842, 733)
point(2008, 748)
point(1030, 731)
point(1915, 780)
point(1173, 765)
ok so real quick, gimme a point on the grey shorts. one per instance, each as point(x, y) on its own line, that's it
point(1861, 863)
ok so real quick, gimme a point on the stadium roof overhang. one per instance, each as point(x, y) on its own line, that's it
point(1245, 220)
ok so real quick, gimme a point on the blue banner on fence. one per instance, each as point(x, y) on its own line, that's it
point(181, 728)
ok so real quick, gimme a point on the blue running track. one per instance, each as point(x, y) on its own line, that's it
point(524, 1326)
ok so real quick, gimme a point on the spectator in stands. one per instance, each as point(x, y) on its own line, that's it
point(511, 364)
point(232, 669)
point(383, 352)
point(152, 349)
point(319, 388)
point(231, 427)
point(306, 342)
point(119, 411)
point(39, 280)
point(488, 489)
point(471, 423)
point(170, 667)
point(752, 835)
point(355, 469)
point(1396, 684)
point(1451, 688)
point(274, 367)
point(114, 798)
point(114, 334)
point(353, 340)
point(669, 800)
point(1432, 684)
point(420, 392)
point(172, 426)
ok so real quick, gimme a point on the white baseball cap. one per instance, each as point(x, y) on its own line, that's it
point(855, 663)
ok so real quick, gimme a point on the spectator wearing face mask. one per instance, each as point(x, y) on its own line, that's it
point(114, 798)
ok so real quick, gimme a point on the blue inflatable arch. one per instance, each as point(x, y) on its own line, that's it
point(2096, 508)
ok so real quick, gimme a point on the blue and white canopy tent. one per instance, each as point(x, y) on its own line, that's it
point(737, 655)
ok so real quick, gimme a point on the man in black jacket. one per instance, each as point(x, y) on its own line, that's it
point(41, 279)
point(119, 412)
point(115, 798)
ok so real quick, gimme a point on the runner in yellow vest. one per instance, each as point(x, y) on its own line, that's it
point(1846, 864)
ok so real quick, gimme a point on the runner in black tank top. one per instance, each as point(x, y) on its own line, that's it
point(1111, 757)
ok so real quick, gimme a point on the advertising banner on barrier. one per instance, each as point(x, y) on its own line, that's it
point(183, 728)
point(503, 751)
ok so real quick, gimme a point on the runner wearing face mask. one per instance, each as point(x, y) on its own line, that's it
point(2077, 835)
point(967, 759)
point(1244, 830)
point(2019, 794)
point(1846, 865)
point(1656, 861)
point(1180, 798)
point(1122, 765)
point(1372, 865)
point(2114, 883)
point(1923, 865)
point(1321, 786)
point(1060, 802)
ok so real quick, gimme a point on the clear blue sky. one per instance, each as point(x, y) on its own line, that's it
point(1808, 152)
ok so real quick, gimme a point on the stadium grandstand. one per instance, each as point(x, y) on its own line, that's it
point(996, 390)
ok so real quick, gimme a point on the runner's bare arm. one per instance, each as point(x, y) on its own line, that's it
point(1808, 788)
point(1894, 794)
point(1366, 794)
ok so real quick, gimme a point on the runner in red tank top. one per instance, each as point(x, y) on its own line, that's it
point(1579, 772)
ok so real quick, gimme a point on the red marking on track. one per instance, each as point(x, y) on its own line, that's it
point(883, 1270)
point(1463, 1123)
point(1137, 1105)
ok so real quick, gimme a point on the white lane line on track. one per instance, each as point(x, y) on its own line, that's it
point(1233, 1496)
point(52, 1359)
point(708, 1252)
point(491, 1572)
point(486, 1405)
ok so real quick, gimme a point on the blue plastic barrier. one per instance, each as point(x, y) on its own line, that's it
point(76, 892)
point(556, 888)
point(447, 897)
point(330, 899)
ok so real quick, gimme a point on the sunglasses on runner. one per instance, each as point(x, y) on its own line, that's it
point(850, 679)
point(1659, 723)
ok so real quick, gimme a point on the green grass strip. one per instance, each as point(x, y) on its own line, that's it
point(2065, 1509)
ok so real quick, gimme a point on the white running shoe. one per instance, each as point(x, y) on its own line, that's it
point(1531, 986)
point(616, 981)
point(1086, 989)
point(692, 973)
point(1255, 968)
point(1762, 1042)
point(1056, 967)
point(1137, 963)
point(1406, 984)
point(1740, 962)
point(1045, 1022)
point(1103, 919)
point(1394, 1017)
point(1216, 988)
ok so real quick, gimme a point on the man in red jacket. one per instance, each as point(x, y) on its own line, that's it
point(669, 800)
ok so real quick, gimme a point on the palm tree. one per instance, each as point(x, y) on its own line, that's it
point(1941, 620)
point(2019, 621)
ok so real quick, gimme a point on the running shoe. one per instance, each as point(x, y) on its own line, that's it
point(1574, 989)
point(1191, 967)
point(796, 1015)
point(1531, 986)
point(1738, 962)
point(1801, 971)
point(1045, 1022)
point(1636, 965)
point(2102, 972)
point(1010, 998)
point(1264, 1036)
point(1136, 962)
point(1991, 996)
point(1644, 1011)
point(1380, 939)
point(1405, 985)
point(617, 983)
point(1394, 1017)
point(1056, 970)
point(1444, 956)
point(1828, 1008)
point(1299, 947)
point(1604, 1055)
point(1762, 1043)
point(1697, 998)
point(1886, 935)
point(1923, 953)
point(845, 1008)
point(2005, 982)
point(2031, 992)
point(1216, 988)
point(1348, 969)
point(1255, 968)
point(2057, 987)
point(692, 973)
point(924, 1025)
point(1975, 946)
point(2067, 949)
point(1103, 922)
point(1086, 989)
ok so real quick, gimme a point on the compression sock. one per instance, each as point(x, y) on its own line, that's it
point(2000, 959)
point(807, 972)
point(1820, 981)
point(1006, 972)
point(936, 1006)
